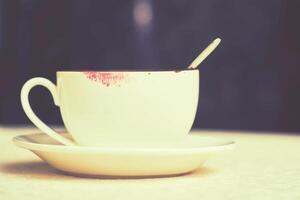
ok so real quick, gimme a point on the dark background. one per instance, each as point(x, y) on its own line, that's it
point(251, 82)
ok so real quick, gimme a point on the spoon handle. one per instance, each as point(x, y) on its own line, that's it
point(203, 55)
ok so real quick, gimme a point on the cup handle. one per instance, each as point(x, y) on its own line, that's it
point(31, 115)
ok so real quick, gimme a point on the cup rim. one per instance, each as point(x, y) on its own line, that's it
point(129, 71)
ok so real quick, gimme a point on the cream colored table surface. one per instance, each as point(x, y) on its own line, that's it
point(263, 166)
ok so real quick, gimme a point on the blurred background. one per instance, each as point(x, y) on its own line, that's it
point(250, 83)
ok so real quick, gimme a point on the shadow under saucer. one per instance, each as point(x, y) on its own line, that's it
point(34, 169)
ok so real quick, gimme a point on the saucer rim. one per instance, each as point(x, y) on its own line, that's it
point(21, 142)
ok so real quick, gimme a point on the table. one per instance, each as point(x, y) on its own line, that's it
point(263, 166)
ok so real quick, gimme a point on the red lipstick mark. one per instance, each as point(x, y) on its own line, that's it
point(106, 78)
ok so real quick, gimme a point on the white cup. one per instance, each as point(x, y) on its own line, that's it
point(140, 106)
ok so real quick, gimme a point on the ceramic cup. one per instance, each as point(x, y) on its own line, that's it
point(140, 106)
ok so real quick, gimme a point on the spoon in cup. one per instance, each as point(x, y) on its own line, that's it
point(203, 55)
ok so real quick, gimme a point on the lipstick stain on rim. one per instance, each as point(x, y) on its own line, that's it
point(106, 78)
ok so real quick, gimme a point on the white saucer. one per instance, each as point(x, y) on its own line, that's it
point(172, 158)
